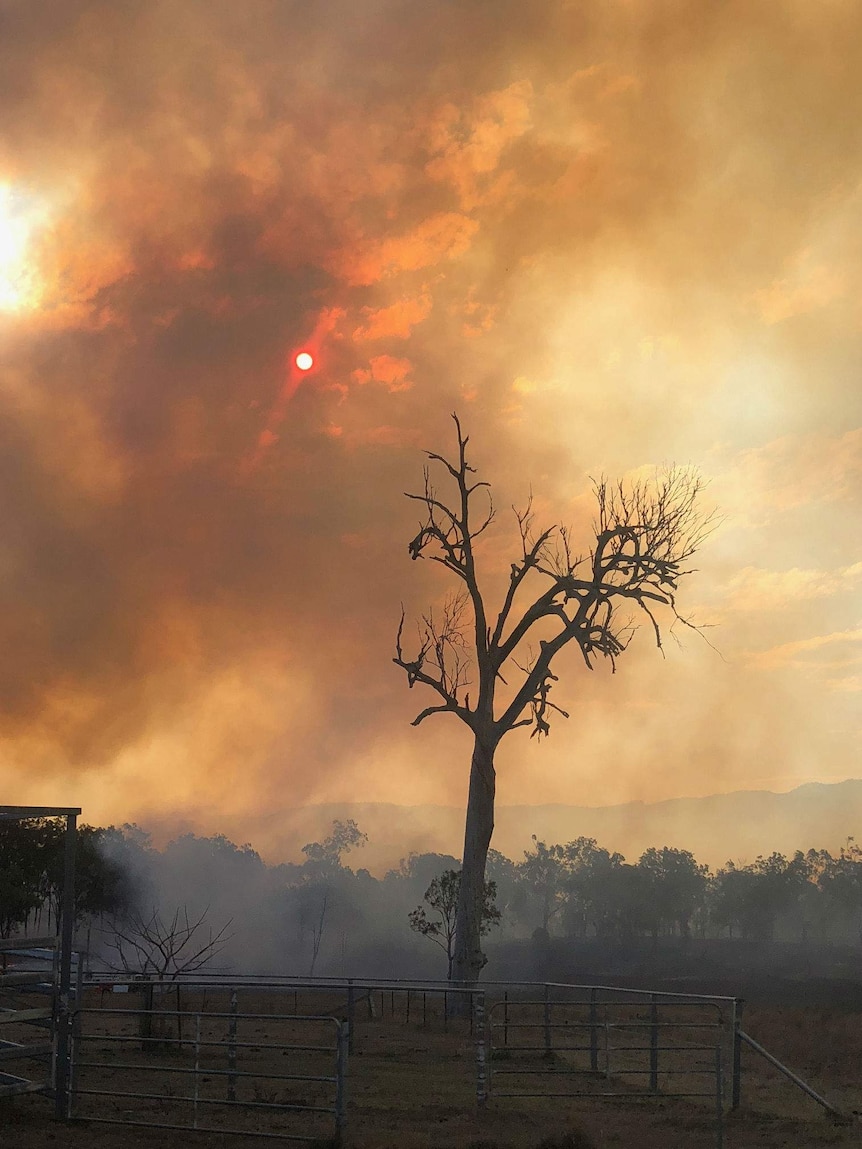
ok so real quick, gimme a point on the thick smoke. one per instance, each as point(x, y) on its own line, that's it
point(611, 235)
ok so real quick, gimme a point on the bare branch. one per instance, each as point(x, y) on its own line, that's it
point(429, 710)
point(645, 535)
point(442, 661)
point(532, 551)
point(157, 946)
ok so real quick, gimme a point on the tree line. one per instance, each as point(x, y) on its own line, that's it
point(32, 866)
point(586, 890)
point(320, 915)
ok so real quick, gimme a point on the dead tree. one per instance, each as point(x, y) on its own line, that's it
point(162, 950)
point(494, 672)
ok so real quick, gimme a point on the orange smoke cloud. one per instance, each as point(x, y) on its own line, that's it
point(610, 234)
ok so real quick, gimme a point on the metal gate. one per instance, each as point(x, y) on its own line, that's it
point(606, 1049)
point(261, 1074)
point(22, 972)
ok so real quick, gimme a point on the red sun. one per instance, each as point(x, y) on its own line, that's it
point(304, 361)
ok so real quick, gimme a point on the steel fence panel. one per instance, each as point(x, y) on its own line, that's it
point(631, 1050)
point(214, 1081)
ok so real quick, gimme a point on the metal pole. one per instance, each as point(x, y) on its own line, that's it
point(341, 1062)
point(791, 1075)
point(445, 1011)
point(197, 1071)
point(479, 1031)
point(505, 1017)
point(607, 1049)
point(736, 1053)
point(594, 1033)
point(407, 1019)
point(547, 1016)
point(62, 1019)
point(424, 1009)
point(76, 1033)
point(351, 1010)
point(146, 1026)
point(719, 1114)
point(653, 1044)
point(231, 1048)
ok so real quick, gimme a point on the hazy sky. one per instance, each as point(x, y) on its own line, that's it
point(612, 235)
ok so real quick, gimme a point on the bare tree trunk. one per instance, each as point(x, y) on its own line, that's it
point(468, 959)
point(317, 933)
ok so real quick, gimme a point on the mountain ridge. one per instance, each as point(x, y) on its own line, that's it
point(740, 824)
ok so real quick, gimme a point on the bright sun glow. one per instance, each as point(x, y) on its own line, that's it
point(304, 361)
point(14, 233)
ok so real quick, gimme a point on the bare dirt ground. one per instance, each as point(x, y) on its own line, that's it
point(412, 1085)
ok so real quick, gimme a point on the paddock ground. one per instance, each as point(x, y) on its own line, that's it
point(411, 1086)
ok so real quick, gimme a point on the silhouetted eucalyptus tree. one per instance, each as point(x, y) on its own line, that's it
point(645, 532)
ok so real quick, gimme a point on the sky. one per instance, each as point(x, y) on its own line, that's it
point(612, 235)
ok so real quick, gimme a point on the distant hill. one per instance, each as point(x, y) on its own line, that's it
point(739, 825)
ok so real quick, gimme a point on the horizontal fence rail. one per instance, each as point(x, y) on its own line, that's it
point(530, 1039)
point(259, 1074)
point(29, 971)
point(281, 981)
point(632, 1049)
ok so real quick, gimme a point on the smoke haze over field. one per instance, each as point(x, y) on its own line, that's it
point(612, 235)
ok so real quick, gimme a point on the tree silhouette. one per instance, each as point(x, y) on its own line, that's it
point(163, 949)
point(442, 899)
point(677, 885)
point(645, 533)
point(544, 870)
point(317, 893)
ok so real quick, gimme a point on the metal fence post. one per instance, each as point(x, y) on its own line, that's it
point(594, 1033)
point(481, 1059)
point(75, 1035)
point(719, 1110)
point(351, 1010)
point(607, 1049)
point(341, 1062)
point(505, 1017)
point(63, 1016)
point(653, 1044)
point(736, 1053)
point(231, 1048)
point(147, 1007)
point(547, 1020)
point(197, 1071)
